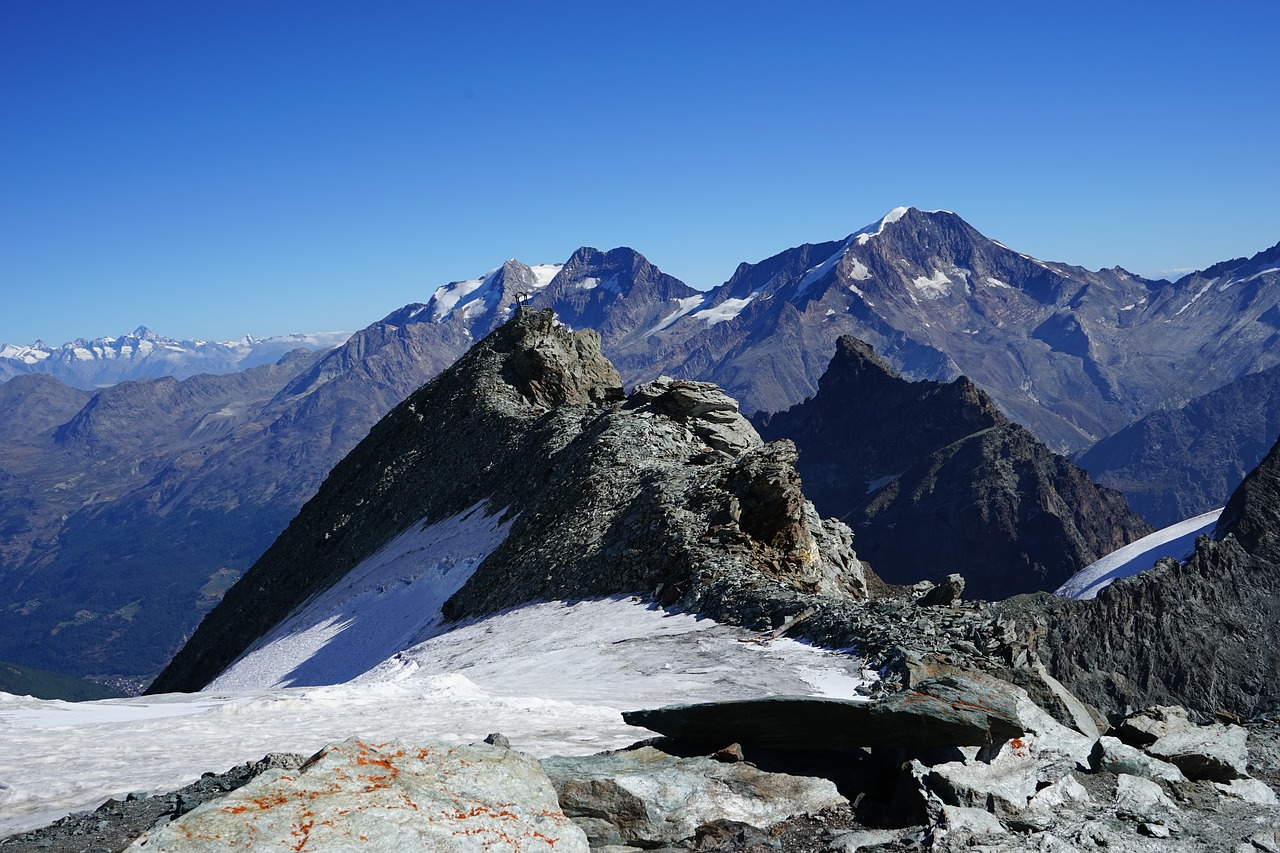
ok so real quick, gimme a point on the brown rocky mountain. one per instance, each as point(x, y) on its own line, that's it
point(933, 479)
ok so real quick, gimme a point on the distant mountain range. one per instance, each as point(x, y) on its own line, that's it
point(142, 354)
point(1177, 463)
point(127, 511)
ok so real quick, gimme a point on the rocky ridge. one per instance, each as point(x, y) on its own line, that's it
point(1156, 782)
point(935, 480)
point(669, 490)
point(1201, 633)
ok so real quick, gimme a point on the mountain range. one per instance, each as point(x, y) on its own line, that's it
point(142, 354)
point(104, 493)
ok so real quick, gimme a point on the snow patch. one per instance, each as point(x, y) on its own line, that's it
point(1195, 298)
point(815, 273)
point(447, 296)
point(935, 287)
point(684, 306)
point(1177, 540)
point(876, 485)
point(543, 273)
point(1256, 275)
point(858, 270)
point(389, 601)
point(726, 310)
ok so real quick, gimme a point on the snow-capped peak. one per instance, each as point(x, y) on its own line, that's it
point(876, 228)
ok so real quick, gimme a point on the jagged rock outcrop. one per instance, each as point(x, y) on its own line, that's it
point(1203, 634)
point(669, 491)
point(934, 480)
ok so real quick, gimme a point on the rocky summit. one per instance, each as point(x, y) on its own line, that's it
point(668, 491)
point(935, 480)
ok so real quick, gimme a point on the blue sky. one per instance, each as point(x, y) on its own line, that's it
point(215, 168)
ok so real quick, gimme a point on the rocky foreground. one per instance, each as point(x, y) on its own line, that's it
point(963, 761)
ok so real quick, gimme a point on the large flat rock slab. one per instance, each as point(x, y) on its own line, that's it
point(388, 797)
point(946, 711)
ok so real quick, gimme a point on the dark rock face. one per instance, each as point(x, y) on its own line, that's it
point(934, 480)
point(1202, 634)
point(1178, 463)
point(945, 711)
point(606, 495)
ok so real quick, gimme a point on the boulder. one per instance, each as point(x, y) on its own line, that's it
point(946, 592)
point(389, 797)
point(1253, 791)
point(1142, 800)
point(1215, 752)
point(1147, 726)
point(1113, 755)
point(645, 797)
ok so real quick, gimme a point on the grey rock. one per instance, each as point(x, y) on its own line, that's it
point(946, 592)
point(1147, 726)
point(1204, 634)
point(1215, 752)
point(1142, 799)
point(645, 797)
point(392, 797)
point(1253, 791)
point(1118, 757)
point(940, 482)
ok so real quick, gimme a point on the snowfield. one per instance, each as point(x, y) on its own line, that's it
point(553, 677)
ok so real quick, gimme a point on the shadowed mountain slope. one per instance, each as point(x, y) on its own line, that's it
point(933, 479)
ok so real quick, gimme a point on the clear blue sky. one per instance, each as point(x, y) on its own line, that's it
point(215, 167)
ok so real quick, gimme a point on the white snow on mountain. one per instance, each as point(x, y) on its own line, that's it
point(934, 287)
point(388, 602)
point(725, 311)
point(816, 273)
point(684, 306)
point(553, 677)
point(543, 273)
point(448, 296)
point(1177, 541)
point(26, 354)
point(877, 228)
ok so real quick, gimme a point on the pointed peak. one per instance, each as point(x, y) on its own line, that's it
point(858, 355)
